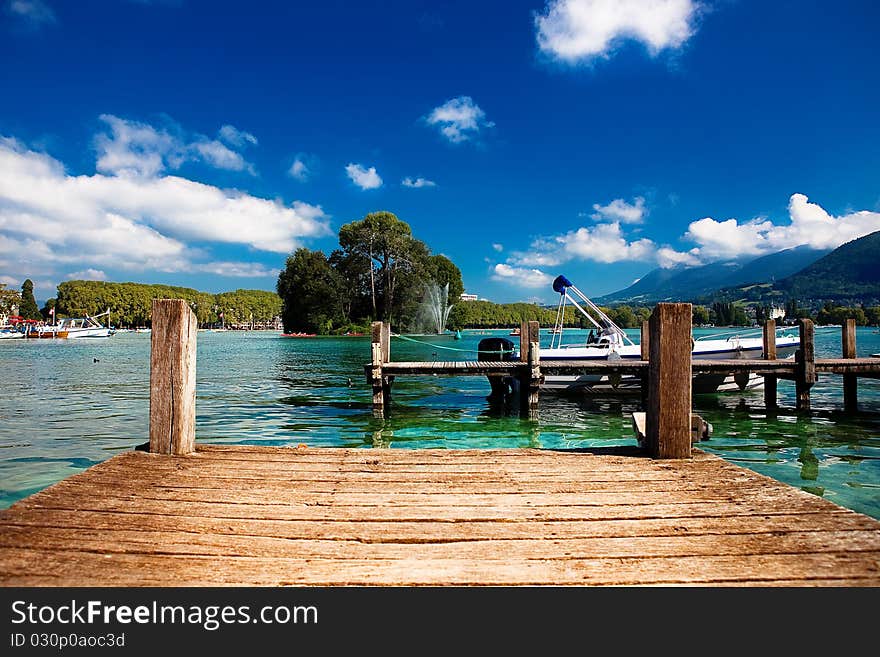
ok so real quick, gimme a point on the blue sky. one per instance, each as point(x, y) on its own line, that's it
point(197, 143)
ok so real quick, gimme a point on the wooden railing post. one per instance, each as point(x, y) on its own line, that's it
point(668, 416)
point(377, 358)
point(850, 381)
point(770, 354)
point(524, 341)
point(530, 382)
point(645, 344)
point(805, 357)
point(173, 378)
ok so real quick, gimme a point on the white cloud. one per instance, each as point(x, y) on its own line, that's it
point(498, 247)
point(668, 257)
point(88, 275)
point(418, 182)
point(810, 224)
point(237, 269)
point(580, 30)
point(48, 218)
point(36, 12)
point(620, 210)
point(299, 170)
point(521, 277)
point(363, 178)
point(132, 148)
point(602, 243)
point(235, 137)
point(459, 119)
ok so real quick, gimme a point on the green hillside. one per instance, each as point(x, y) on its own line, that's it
point(851, 271)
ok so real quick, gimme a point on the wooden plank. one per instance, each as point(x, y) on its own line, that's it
point(524, 341)
point(850, 382)
point(172, 377)
point(668, 421)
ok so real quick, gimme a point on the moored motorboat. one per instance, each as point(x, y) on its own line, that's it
point(77, 328)
point(610, 342)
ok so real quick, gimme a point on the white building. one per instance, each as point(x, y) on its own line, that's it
point(777, 313)
point(468, 297)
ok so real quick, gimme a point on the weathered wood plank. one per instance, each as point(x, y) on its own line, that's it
point(850, 381)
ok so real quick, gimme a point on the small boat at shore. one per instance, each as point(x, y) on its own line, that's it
point(76, 328)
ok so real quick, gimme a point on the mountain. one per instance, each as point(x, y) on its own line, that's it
point(687, 283)
point(851, 271)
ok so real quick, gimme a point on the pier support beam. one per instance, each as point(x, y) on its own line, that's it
point(645, 344)
point(173, 378)
point(668, 420)
point(805, 357)
point(531, 379)
point(850, 381)
point(380, 353)
point(770, 400)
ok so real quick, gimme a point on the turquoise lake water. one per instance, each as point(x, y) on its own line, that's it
point(62, 412)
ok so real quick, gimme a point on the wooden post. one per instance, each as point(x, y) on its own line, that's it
point(668, 418)
point(377, 330)
point(645, 344)
point(173, 378)
point(770, 399)
point(850, 381)
point(386, 342)
point(524, 341)
point(531, 380)
point(805, 357)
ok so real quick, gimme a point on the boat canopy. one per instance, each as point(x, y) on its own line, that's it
point(601, 321)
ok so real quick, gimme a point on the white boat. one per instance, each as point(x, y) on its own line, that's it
point(612, 343)
point(79, 327)
point(10, 333)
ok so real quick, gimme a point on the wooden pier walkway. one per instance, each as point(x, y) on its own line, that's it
point(281, 516)
point(181, 514)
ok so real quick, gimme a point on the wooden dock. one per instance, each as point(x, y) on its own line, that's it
point(274, 516)
point(804, 369)
point(182, 514)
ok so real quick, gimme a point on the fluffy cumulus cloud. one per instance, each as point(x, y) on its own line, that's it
point(520, 276)
point(363, 177)
point(35, 12)
point(620, 210)
point(604, 243)
point(132, 148)
point(459, 119)
point(134, 222)
point(416, 183)
point(668, 258)
point(809, 224)
point(572, 31)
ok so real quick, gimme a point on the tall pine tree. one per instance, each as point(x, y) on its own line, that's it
point(29, 308)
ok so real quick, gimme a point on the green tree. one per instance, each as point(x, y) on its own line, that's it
point(47, 307)
point(28, 308)
point(392, 251)
point(700, 315)
point(309, 290)
point(441, 270)
point(9, 300)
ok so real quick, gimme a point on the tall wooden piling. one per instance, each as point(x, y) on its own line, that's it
point(645, 344)
point(668, 418)
point(805, 357)
point(173, 378)
point(531, 379)
point(524, 341)
point(380, 353)
point(850, 381)
point(770, 399)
